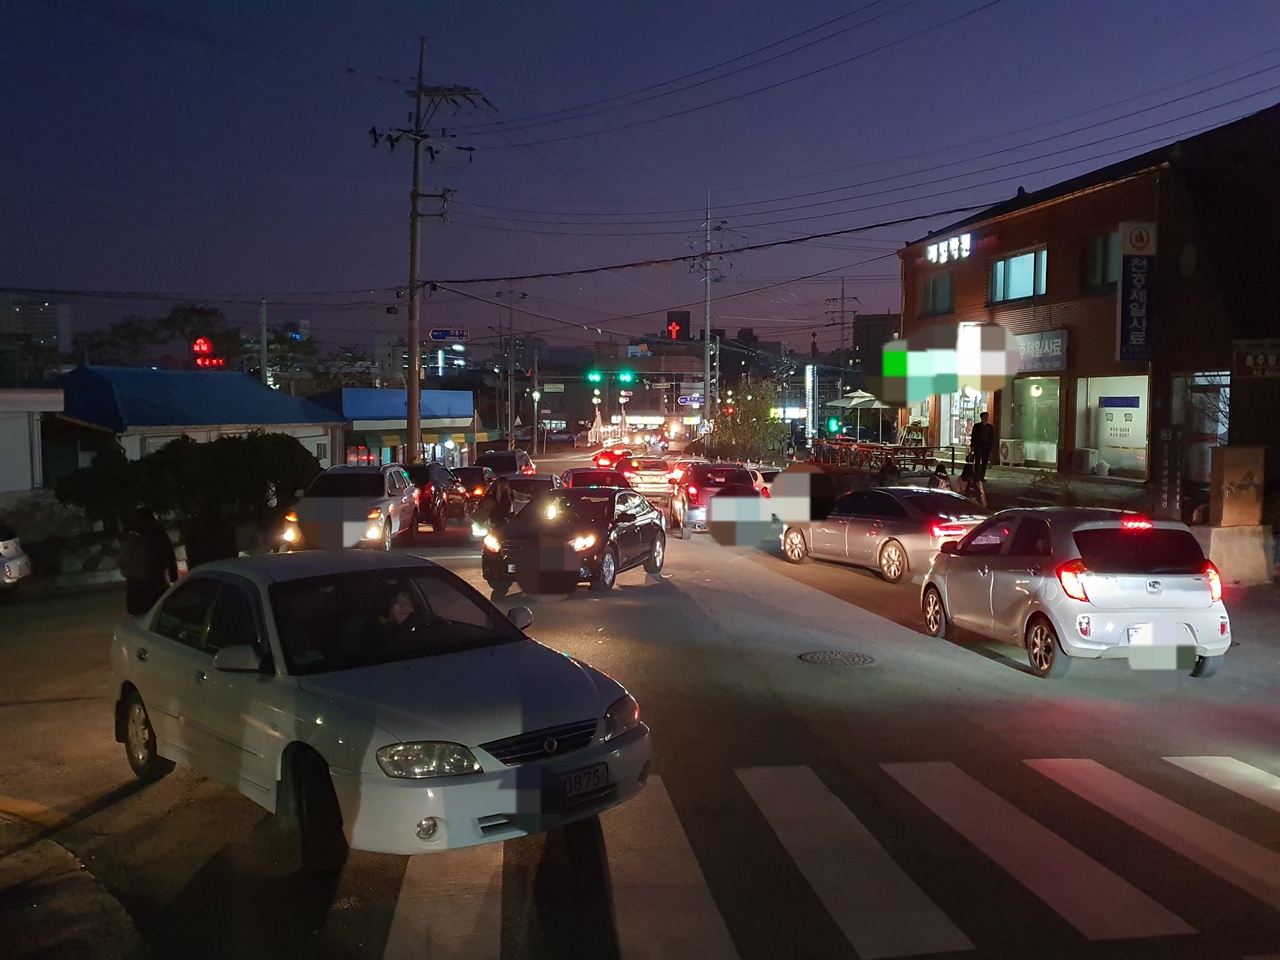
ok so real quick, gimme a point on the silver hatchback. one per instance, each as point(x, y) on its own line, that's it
point(1078, 582)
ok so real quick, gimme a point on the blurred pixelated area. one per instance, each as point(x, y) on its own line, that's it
point(944, 359)
point(802, 493)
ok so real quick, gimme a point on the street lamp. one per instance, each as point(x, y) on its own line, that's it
point(537, 418)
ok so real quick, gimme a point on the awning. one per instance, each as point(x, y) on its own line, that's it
point(400, 439)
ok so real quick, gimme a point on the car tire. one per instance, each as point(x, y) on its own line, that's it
point(309, 814)
point(793, 546)
point(1206, 667)
point(893, 562)
point(608, 572)
point(657, 555)
point(140, 742)
point(386, 536)
point(1044, 650)
point(936, 622)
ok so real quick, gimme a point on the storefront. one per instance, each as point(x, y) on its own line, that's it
point(1032, 410)
point(1111, 426)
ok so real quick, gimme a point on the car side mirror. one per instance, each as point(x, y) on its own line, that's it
point(950, 546)
point(520, 617)
point(240, 658)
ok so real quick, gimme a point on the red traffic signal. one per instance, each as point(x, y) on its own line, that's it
point(728, 411)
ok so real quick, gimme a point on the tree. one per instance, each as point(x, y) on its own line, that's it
point(108, 489)
point(752, 431)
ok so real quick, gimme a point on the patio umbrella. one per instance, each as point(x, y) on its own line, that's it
point(860, 400)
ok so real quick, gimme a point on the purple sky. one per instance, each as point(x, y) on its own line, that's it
point(220, 151)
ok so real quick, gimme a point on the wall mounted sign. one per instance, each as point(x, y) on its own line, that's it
point(1043, 351)
point(955, 248)
point(1133, 306)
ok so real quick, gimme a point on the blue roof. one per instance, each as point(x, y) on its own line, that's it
point(358, 403)
point(122, 397)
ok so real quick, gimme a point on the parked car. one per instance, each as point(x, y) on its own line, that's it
point(441, 494)
point(762, 477)
point(605, 532)
point(349, 506)
point(694, 487)
point(591, 477)
point(1067, 582)
point(507, 461)
point(376, 702)
point(891, 529)
point(15, 565)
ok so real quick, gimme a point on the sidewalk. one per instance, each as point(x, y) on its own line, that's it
point(53, 908)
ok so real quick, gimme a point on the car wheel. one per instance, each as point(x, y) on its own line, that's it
point(309, 813)
point(386, 535)
point(439, 519)
point(793, 546)
point(1044, 652)
point(936, 621)
point(893, 561)
point(608, 572)
point(140, 742)
point(1206, 667)
point(657, 555)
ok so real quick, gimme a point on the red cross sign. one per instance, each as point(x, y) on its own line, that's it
point(674, 329)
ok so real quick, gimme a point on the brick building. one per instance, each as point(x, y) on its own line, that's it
point(1121, 344)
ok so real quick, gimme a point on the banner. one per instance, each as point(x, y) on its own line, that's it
point(1133, 308)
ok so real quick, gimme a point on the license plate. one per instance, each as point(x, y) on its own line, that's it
point(1153, 634)
point(511, 568)
point(586, 780)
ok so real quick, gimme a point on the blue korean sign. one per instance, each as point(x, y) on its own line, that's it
point(442, 335)
point(1042, 351)
point(1133, 308)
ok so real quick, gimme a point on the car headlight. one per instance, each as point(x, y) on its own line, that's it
point(492, 543)
point(583, 544)
point(428, 758)
point(477, 530)
point(623, 715)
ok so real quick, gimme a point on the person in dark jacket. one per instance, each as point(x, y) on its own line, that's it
point(982, 441)
point(147, 562)
point(210, 536)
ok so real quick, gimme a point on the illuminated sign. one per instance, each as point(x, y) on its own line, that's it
point(202, 349)
point(957, 248)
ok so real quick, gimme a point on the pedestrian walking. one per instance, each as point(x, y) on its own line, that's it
point(982, 441)
point(147, 562)
point(210, 536)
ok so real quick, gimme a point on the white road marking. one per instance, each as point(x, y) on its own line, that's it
point(1236, 776)
point(1239, 861)
point(873, 901)
point(450, 907)
point(1082, 891)
point(661, 903)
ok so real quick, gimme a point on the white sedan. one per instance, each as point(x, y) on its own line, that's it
point(371, 700)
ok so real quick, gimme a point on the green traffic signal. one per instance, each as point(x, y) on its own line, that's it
point(595, 376)
point(833, 425)
point(626, 376)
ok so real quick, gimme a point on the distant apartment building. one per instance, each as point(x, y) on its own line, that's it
point(40, 322)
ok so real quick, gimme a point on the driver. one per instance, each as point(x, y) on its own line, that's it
point(389, 626)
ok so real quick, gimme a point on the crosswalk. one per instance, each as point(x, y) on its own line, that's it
point(450, 905)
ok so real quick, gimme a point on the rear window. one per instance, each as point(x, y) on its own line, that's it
point(346, 485)
point(719, 476)
point(598, 478)
point(1112, 550)
point(651, 465)
point(528, 486)
point(942, 505)
point(498, 462)
point(469, 475)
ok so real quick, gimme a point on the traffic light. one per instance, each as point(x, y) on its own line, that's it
point(728, 410)
point(595, 376)
point(833, 425)
point(626, 376)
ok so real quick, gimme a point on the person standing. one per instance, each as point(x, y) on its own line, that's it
point(147, 561)
point(982, 441)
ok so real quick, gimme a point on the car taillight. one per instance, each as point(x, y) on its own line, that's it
point(527, 470)
point(1215, 580)
point(1136, 523)
point(478, 491)
point(764, 492)
point(693, 491)
point(1069, 576)
point(940, 530)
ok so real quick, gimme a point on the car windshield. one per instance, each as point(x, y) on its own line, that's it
point(1156, 550)
point(346, 485)
point(598, 478)
point(943, 505)
point(352, 620)
point(529, 486)
point(719, 476)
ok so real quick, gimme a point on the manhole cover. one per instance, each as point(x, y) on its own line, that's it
point(838, 658)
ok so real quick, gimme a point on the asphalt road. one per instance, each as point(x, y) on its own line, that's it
point(936, 801)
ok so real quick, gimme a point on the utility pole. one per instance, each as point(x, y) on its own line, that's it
point(427, 100)
point(537, 403)
point(511, 297)
point(706, 335)
point(262, 342)
point(844, 365)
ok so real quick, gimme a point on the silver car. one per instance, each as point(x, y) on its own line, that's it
point(891, 529)
point(1077, 582)
point(354, 506)
point(14, 563)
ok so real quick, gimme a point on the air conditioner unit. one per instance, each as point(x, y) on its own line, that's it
point(1084, 460)
point(1012, 453)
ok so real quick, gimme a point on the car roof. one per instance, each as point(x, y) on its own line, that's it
point(353, 468)
point(1080, 516)
point(591, 470)
point(530, 476)
point(281, 567)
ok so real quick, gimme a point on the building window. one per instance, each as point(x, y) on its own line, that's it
point(1102, 262)
point(322, 451)
point(1016, 278)
point(936, 295)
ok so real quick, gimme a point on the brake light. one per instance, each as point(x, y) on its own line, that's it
point(941, 530)
point(1215, 580)
point(1136, 523)
point(527, 470)
point(693, 491)
point(291, 516)
point(1069, 576)
point(478, 491)
point(764, 492)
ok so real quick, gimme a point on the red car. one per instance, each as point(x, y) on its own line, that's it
point(611, 455)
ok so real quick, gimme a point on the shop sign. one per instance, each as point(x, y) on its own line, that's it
point(1257, 358)
point(1169, 472)
point(1133, 308)
point(553, 388)
point(955, 248)
point(1043, 351)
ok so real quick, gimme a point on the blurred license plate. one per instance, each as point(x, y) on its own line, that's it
point(511, 568)
point(1153, 634)
point(594, 777)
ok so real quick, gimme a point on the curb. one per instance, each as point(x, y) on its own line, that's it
point(53, 908)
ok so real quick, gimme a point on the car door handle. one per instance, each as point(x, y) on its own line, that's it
point(200, 678)
point(142, 654)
